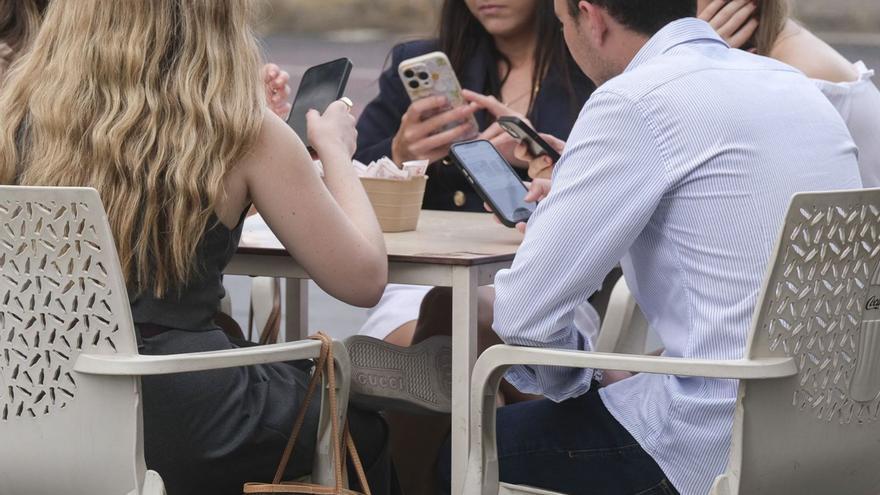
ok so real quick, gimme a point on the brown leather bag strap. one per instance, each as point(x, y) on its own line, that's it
point(324, 365)
point(356, 461)
point(323, 357)
point(336, 433)
point(299, 488)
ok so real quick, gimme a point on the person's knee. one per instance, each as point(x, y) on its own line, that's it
point(486, 307)
point(435, 315)
point(438, 301)
point(403, 335)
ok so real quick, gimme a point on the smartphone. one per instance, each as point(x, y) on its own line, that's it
point(494, 180)
point(523, 132)
point(320, 86)
point(432, 75)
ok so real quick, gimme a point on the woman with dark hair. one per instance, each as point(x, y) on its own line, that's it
point(511, 59)
point(512, 51)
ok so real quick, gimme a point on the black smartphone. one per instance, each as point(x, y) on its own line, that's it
point(523, 132)
point(494, 180)
point(320, 86)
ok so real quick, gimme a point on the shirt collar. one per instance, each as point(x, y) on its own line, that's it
point(673, 34)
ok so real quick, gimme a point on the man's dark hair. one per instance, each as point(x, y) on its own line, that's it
point(643, 16)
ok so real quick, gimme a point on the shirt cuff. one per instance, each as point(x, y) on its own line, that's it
point(554, 382)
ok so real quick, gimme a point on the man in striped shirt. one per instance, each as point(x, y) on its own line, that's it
point(680, 167)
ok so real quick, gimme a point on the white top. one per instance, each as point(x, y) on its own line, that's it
point(682, 167)
point(859, 104)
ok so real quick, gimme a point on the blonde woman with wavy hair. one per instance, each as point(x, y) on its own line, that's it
point(160, 108)
point(766, 28)
point(21, 19)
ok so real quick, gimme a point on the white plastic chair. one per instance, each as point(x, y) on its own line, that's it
point(70, 410)
point(806, 419)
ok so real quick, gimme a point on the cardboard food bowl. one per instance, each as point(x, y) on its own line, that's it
point(397, 203)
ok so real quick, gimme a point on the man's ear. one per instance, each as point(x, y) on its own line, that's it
point(595, 19)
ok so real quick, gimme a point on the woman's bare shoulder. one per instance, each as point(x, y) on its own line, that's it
point(804, 51)
point(236, 196)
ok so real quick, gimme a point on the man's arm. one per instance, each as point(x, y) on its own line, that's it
point(606, 187)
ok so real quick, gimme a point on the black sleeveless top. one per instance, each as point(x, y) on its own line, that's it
point(193, 308)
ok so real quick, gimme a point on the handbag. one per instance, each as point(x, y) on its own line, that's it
point(325, 365)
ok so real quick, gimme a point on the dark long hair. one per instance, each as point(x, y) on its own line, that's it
point(460, 35)
point(20, 20)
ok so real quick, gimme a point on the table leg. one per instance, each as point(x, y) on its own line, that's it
point(296, 309)
point(464, 355)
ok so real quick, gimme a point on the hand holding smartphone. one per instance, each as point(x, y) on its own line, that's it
point(494, 180)
point(521, 131)
point(432, 75)
point(320, 86)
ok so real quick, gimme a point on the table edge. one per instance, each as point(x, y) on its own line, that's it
point(394, 258)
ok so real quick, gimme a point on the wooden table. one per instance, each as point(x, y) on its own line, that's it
point(450, 249)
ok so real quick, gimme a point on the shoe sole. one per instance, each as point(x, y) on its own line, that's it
point(411, 379)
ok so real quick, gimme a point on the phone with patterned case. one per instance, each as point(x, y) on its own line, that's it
point(432, 75)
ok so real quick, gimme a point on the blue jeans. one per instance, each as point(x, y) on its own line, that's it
point(571, 447)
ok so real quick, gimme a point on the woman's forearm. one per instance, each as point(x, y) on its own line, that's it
point(345, 186)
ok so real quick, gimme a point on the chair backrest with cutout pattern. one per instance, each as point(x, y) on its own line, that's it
point(819, 431)
point(61, 294)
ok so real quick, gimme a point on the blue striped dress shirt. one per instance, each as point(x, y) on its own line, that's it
point(680, 169)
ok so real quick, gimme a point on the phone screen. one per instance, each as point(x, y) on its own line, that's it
point(495, 180)
point(320, 86)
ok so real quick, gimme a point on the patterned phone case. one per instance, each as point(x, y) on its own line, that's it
point(432, 75)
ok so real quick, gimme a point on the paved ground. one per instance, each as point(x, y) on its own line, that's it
point(369, 54)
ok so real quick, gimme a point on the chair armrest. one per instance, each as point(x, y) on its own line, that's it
point(504, 356)
point(323, 471)
point(482, 472)
point(137, 364)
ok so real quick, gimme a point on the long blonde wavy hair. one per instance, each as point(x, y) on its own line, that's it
point(151, 102)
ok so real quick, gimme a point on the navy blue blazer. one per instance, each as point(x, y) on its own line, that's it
point(554, 112)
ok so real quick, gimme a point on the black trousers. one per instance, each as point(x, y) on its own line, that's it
point(212, 431)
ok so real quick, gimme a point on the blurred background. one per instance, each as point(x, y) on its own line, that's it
point(416, 16)
point(300, 33)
